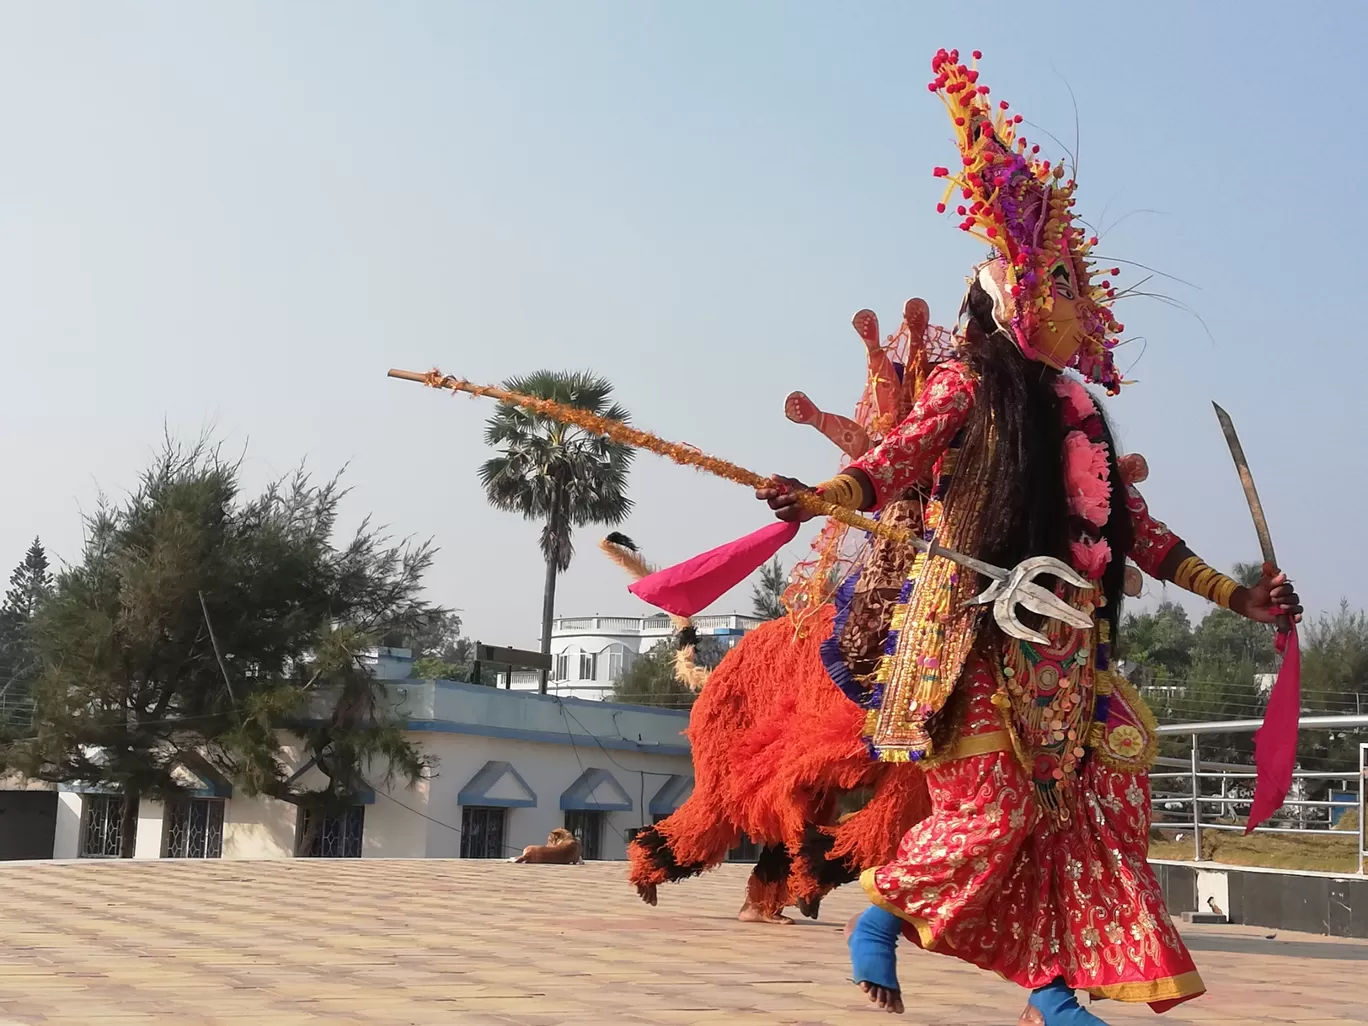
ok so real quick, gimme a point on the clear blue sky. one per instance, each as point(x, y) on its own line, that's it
point(240, 215)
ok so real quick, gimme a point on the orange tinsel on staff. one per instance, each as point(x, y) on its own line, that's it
point(685, 455)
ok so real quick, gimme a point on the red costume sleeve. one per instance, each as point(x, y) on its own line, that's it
point(1153, 540)
point(908, 453)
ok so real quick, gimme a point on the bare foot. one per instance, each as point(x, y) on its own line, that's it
point(800, 409)
point(880, 997)
point(1031, 1016)
point(750, 914)
point(648, 893)
point(883, 999)
point(867, 325)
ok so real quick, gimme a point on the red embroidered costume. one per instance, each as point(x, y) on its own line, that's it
point(1034, 755)
point(1029, 866)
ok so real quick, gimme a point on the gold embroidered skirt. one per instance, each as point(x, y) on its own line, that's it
point(994, 879)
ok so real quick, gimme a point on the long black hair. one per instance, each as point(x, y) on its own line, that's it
point(1119, 532)
point(1027, 510)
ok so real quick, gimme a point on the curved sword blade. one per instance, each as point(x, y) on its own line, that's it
point(1247, 483)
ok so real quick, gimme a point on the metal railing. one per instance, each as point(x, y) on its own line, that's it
point(655, 623)
point(1305, 813)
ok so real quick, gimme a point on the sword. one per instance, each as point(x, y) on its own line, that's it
point(1275, 742)
point(1251, 497)
point(1009, 589)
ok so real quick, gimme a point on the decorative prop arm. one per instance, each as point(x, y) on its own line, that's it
point(1010, 587)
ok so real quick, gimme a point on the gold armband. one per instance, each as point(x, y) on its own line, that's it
point(842, 490)
point(1195, 576)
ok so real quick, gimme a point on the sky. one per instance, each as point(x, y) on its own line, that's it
point(238, 217)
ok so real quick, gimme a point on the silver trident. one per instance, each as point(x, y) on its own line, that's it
point(1017, 587)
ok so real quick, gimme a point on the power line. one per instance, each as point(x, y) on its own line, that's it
point(432, 819)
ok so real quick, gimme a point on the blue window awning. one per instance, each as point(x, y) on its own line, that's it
point(672, 794)
point(596, 790)
point(194, 775)
point(200, 779)
point(498, 785)
point(361, 797)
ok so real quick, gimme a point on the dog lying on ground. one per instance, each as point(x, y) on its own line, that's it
point(560, 849)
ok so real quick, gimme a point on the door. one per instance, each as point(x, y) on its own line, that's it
point(28, 824)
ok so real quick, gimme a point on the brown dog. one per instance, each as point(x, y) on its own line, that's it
point(560, 849)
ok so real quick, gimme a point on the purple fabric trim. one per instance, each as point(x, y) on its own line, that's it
point(836, 667)
point(1101, 708)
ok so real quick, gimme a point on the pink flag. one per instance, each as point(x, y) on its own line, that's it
point(1275, 743)
point(697, 583)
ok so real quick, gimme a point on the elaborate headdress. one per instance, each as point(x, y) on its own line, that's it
point(1040, 278)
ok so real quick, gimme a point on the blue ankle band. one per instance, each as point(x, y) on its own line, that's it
point(873, 948)
point(1059, 1006)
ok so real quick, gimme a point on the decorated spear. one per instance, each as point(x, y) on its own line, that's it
point(1009, 588)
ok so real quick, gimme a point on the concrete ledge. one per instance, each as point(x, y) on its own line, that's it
point(1321, 903)
point(1205, 919)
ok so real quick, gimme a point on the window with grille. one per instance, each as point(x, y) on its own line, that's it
point(338, 837)
point(102, 826)
point(482, 832)
point(194, 829)
point(587, 826)
point(562, 666)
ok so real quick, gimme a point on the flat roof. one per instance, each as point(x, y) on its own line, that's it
point(308, 942)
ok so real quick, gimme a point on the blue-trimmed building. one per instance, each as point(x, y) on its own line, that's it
point(509, 767)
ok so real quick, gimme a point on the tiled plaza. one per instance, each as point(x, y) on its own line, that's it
point(496, 944)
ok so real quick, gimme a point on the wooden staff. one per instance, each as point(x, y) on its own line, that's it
point(685, 455)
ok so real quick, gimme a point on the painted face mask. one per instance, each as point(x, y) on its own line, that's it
point(1059, 334)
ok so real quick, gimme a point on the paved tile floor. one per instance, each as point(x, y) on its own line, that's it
point(495, 944)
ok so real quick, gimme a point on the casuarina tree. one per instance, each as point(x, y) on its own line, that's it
point(30, 585)
point(555, 473)
point(767, 594)
point(201, 626)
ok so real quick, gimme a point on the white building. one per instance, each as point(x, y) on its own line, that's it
point(509, 767)
point(590, 653)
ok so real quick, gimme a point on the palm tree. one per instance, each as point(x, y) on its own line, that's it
point(557, 473)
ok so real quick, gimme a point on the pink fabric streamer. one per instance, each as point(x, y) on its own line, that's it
point(686, 588)
point(1275, 743)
